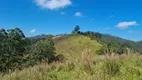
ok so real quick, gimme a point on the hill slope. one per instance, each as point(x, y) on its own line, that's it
point(136, 46)
point(86, 67)
point(73, 45)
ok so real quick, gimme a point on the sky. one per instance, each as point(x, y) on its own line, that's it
point(122, 18)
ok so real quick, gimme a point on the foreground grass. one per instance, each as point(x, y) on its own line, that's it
point(106, 67)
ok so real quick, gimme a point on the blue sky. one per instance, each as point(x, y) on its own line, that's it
point(122, 18)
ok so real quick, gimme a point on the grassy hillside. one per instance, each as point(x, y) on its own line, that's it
point(71, 46)
point(82, 63)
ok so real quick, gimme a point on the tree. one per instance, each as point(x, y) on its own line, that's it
point(76, 30)
point(12, 49)
point(43, 50)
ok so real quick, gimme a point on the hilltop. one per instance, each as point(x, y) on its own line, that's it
point(71, 46)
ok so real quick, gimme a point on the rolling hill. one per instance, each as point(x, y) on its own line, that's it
point(73, 45)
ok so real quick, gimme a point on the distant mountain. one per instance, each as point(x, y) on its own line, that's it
point(140, 42)
point(38, 36)
point(136, 46)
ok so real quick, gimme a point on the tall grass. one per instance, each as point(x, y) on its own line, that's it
point(88, 67)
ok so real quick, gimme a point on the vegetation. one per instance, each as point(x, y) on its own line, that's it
point(76, 30)
point(76, 56)
point(43, 50)
point(112, 67)
point(71, 46)
point(111, 44)
point(17, 51)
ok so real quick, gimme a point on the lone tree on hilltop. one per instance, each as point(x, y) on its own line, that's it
point(76, 30)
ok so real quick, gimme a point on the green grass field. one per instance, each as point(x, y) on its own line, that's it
point(71, 46)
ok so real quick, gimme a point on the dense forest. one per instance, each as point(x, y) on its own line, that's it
point(18, 51)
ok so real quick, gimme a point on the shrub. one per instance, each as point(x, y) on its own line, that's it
point(43, 50)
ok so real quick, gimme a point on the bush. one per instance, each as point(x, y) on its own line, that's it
point(43, 50)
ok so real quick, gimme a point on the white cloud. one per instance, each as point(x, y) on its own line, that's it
point(126, 24)
point(53, 4)
point(78, 14)
point(33, 31)
point(110, 16)
point(62, 13)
